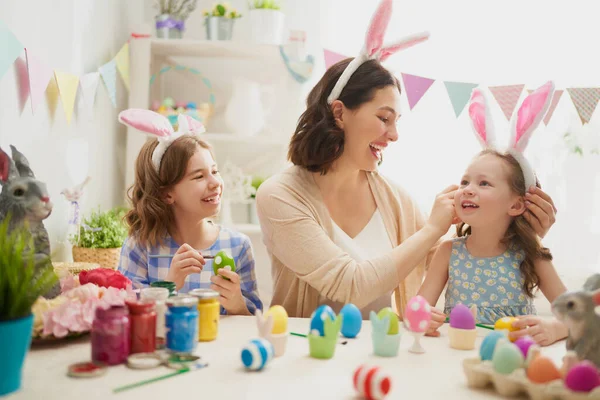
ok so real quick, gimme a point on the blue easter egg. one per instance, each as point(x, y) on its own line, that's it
point(191, 104)
point(257, 353)
point(352, 321)
point(488, 344)
point(318, 317)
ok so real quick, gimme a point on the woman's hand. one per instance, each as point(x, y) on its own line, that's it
point(186, 261)
point(443, 213)
point(541, 212)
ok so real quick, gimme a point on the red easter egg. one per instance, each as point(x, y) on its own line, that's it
point(371, 382)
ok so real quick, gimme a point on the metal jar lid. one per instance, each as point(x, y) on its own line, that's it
point(86, 369)
point(155, 293)
point(182, 300)
point(204, 294)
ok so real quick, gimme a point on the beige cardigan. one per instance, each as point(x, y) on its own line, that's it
point(305, 262)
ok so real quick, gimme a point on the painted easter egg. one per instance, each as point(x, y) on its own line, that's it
point(168, 102)
point(505, 324)
point(318, 317)
point(387, 311)
point(507, 358)
point(542, 370)
point(417, 314)
point(371, 382)
point(583, 377)
point(257, 354)
point(352, 321)
point(223, 260)
point(461, 317)
point(524, 343)
point(280, 319)
point(486, 350)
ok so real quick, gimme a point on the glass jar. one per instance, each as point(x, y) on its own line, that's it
point(166, 284)
point(159, 295)
point(142, 318)
point(110, 335)
point(209, 310)
point(182, 324)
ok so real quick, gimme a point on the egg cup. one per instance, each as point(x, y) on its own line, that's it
point(462, 339)
point(265, 331)
point(384, 345)
point(323, 347)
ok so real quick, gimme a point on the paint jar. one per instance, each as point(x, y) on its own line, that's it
point(142, 318)
point(165, 284)
point(182, 324)
point(159, 295)
point(110, 335)
point(209, 310)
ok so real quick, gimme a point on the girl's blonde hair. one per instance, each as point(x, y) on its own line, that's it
point(150, 216)
point(520, 233)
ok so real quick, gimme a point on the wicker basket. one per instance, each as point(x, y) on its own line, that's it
point(107, 258)
point(73, 268)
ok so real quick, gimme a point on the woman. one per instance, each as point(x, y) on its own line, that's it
point(336, 231)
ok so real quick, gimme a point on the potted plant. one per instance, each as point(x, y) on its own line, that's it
point(252, 214)
point(100, 238)
point(22, 280)
point(170, 21)
point(267, 21)
point(219, 21)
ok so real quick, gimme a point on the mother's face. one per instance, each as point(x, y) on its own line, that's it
point(370, 128)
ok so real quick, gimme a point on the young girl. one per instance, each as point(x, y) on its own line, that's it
point(497, 261)
point(177, 187)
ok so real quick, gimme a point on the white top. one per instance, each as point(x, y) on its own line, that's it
point(294, 376)
point(371, 242)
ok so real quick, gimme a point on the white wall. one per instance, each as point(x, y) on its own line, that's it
point(76, 36)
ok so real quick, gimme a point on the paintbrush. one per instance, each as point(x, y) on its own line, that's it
point(207, 257)
point(478, 325)
point(160, 378)
point(305, 336)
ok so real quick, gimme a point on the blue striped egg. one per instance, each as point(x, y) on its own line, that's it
point(257, 353)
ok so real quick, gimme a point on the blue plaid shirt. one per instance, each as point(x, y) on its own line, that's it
point(142, 270)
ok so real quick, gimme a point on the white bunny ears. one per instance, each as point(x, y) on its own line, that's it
point(523, 123)
point(373, 48)
point(159, 126)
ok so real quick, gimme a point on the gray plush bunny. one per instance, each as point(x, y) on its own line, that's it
point(592, 283)
point(26, 200)
point(578, 312)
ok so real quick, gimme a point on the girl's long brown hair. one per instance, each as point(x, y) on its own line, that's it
point(150, 216)
point(519, 234)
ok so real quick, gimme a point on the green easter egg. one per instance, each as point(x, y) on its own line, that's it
point(223, 260)
point(168, 102)
point(507, 358)
point(393, 329)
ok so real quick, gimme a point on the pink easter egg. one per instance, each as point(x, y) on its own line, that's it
point(180, 104)
point(417, 314)
point(155, 105)
point(583, 377)
point(371, 382)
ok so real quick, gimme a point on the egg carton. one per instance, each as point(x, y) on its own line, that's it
point(481, 374)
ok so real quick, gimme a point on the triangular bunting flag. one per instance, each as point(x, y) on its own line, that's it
point(459, 94)
point(122, 60)
point(88, 85)
point(67, 87)
point(10, 48)
point(39, 76)
point(415, 86)
point(331, 57)
point(585, 101)
point(109, 76)
point(507, 97)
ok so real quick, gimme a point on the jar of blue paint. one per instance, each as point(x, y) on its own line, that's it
point(181, 320)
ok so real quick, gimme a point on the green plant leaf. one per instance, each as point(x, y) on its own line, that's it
point(103, 230)
point(220, 10)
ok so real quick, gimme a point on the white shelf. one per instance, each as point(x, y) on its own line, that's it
point(211, 48)
point(247, 229)
point(215, 138)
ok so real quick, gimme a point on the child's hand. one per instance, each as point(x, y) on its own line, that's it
point(230, 291)
point(186, 261)
point(437, 319)
point(543, 331)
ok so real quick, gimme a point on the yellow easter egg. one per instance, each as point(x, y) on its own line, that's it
point(162, 110)
point(280, 319)
point(505, 324)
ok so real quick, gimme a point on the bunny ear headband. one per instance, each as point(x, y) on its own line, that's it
point(523, 123)
point(159, 126)
point(373, 48)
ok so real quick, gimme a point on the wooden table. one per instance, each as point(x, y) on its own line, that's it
point(436, 374)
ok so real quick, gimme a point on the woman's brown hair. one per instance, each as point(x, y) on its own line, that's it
point(318, 141)
point(520, 233)
point(151, 217)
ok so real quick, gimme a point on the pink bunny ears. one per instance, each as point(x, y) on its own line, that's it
point(373, 48)
point(159, 126)
point(523, 124)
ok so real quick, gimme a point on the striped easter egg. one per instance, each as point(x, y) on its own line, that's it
point(371, 382)
point(257, 353)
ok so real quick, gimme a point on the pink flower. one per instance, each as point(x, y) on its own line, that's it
point(105, 277)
